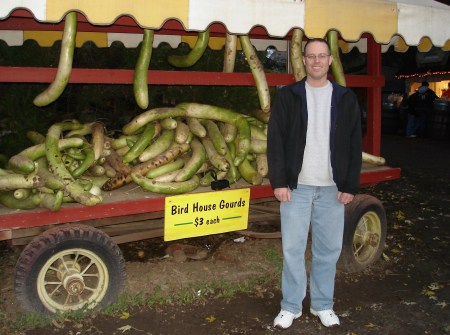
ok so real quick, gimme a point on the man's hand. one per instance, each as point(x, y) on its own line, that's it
point(345, 198)
point(282, 194)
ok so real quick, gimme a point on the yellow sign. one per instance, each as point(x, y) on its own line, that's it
point(199, 214)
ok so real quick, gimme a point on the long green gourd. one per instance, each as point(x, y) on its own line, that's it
point(140, 81)
point(56, 88)
point(166, 187)
point(296, 55)
point(151, 115)
point(257, 70)
point(229, 57)
point(194, 163)
point(336, 66)
point(194, 55)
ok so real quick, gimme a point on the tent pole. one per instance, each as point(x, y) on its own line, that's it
point(372, 140)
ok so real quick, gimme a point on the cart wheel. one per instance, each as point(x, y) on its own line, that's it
point(68, 268)
point(364, 233)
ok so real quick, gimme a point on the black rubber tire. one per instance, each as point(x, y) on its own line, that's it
point(89, 246)
point(365, 214)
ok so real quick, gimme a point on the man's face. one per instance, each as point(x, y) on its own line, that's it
point(317, 60)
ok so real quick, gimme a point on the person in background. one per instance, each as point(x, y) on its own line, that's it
point(446, 93)
point(314, 158)
point(420, 108)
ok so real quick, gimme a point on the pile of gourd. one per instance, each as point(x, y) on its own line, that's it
point(163, 150)
point(168, 150)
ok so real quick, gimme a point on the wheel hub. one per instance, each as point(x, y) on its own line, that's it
point(73, 283)
point(72, 280)
point(370, 239)
point(373, 240)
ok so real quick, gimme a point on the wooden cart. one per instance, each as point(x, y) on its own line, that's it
point(71, 256)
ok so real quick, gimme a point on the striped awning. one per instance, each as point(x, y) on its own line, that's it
point(401, 23)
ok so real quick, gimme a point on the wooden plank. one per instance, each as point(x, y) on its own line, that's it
point(97, 223)
point(5, 234)
point(266, 209)
point(133, 227)
point(9, 74)
point(263, 217)
point(138, 236)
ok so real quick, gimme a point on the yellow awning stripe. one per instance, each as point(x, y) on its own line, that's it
point(425, 44)
point(400, 45)
point(147, 13)
point(48, 38)
point(446, 46)
point(348, 17)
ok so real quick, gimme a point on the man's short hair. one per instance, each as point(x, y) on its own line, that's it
point(321, 40)
point(425, 83)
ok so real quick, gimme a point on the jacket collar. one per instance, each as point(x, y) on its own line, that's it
point(299, 88)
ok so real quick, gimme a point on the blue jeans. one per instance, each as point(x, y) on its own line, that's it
point(417, 124)
point(320, 207)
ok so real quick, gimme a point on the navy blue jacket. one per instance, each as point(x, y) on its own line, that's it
point(286, 137)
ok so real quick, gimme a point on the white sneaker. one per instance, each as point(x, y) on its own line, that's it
point(284, 319)
point(327, 317)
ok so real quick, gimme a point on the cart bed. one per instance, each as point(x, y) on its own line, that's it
point(131, 204)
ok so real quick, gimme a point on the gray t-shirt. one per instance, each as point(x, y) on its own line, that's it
point(316, 168)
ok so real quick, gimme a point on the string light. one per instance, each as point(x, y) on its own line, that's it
point(422, 75)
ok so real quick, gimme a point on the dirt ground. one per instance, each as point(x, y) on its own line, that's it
point(406, 292)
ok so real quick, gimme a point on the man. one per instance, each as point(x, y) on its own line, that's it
point(314, 156)
point(446, 93)
point(421, 106)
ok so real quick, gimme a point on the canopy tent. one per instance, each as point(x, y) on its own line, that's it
point(371, 25)
point(421, 23)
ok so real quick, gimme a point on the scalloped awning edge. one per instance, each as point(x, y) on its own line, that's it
point(381, 18)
